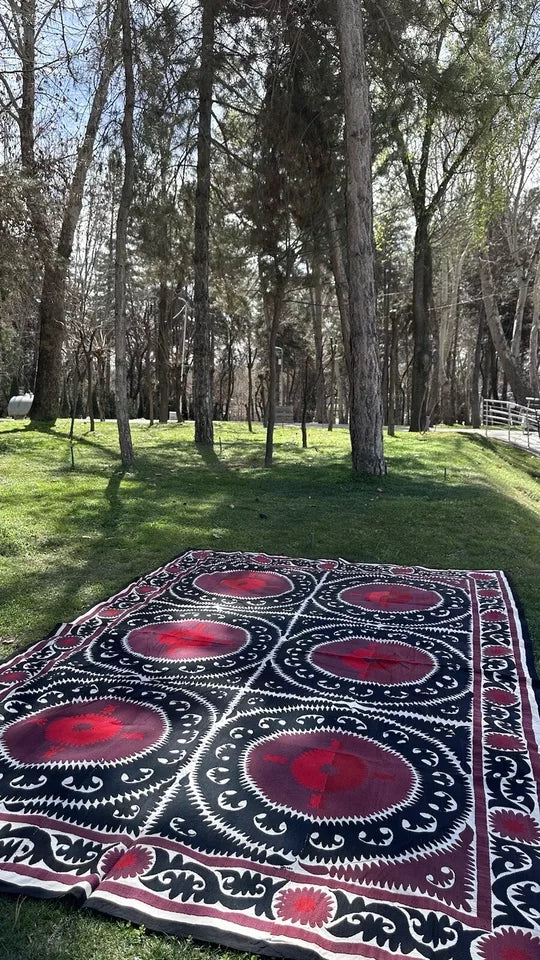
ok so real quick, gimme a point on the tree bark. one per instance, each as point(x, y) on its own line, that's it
point(422, 289)
point(526, 272)
point(341, 284)
point(517, 329)
point(52, 304)
point(366, 406)
point(250, 364)
point(535, 330)
point(126, 196)
point(25, 117)
point(512, 371)
point(163, 352)
point(331, 399)
point(203, 360)
point(148, 365)
point(316, 312)
point(305, 403)
point(385, 373)
point(393, 374)
point(90, 391)
point(476, 412)
point(273, 306)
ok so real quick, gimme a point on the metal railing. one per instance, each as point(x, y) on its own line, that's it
point(507, 415)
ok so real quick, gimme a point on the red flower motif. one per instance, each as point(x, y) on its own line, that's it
point(327, 565)
point(516, 825)
point(305, 905)
point(494, 616)
point(504, 741)
point(507, 944)
point(67, 642)
point(481, 576)
point(497, 650)
point(488, 593)
point(145, 589)
point(13, 676)
point(120, 862)
point(110, 612)
point(500, 697)
point(402, 571)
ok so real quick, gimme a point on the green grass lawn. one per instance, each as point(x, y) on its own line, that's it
point(69, 538)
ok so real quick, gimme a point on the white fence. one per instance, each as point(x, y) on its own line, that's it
point(507, 415)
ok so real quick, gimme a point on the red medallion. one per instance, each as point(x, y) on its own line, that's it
point(390, 597)
point(95, 730)
point(374, 661)
point(188, 640)
point(508, 944)
point(252, 584)
point(330, 774)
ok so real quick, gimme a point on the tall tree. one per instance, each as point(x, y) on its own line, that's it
point(203, 360)
point(445, 82)
point(366, 405)
point(126, 197)
point(55, 253)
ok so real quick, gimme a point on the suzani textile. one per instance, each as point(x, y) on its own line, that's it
point(299, 758)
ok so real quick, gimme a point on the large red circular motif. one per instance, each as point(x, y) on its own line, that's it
point(330, 775)
point(187, 640)
point(251, 584)
point(94, 730)
point(390, 597)
point(373, 661)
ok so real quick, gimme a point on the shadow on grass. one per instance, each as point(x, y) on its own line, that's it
point(60, 930)
point(517, 457)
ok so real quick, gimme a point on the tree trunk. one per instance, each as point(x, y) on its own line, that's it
point(148, 364)
point(149, 384)
point(52, 304)
point(341, 284)
point(230, 376)
point(517, 329)
point(366, 406)
point(305, 404)
point(316, 312)
point(535, 329)
point(513, 374)
point(202, 337)
point(394, 373)
point(385, 378)
point(26, 115)
point(331, 399)
point(493, 368)
point(422, 288)
point(273, 304)
point(90, 394)
point(163, 352)
point(476, 412)
point(126, 196)
point(250, 362)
